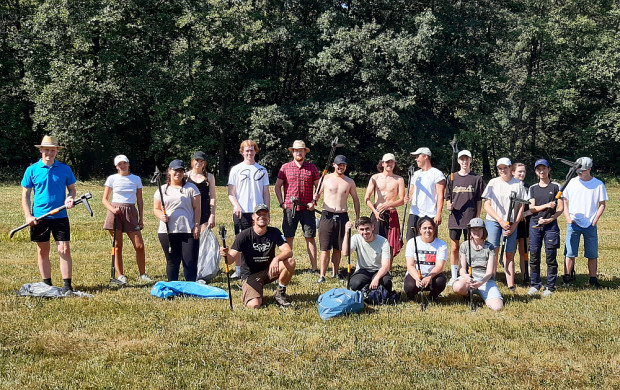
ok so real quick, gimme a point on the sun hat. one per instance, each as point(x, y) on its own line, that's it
point(299, 144)
point(49, 141)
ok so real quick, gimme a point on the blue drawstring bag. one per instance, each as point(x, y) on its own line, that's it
point(338, 301)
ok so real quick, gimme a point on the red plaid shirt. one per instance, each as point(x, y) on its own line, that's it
point(299, 182)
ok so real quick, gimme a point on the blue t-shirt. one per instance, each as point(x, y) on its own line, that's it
point(49, 185)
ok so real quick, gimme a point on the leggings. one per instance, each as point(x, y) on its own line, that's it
point(363, 278)
point(438, 284)
point(185, 250)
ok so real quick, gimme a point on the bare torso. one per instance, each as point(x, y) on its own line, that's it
point(336, 190)
point(386, 188)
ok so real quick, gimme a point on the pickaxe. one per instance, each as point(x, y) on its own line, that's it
point(513, 201)
point(334, 145)
point(83, 199)
point(574, 166)
point(155, 180)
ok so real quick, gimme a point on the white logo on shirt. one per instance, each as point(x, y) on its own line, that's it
point(261, 247)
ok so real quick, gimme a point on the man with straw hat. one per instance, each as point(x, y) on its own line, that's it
point(299, 178)
point(49, 179)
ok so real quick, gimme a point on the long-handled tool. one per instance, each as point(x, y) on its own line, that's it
point(83, 199)
point(455, 152)
point(472, 307)
point(223, 237)
point(113, 279)
point(405, 213)
point(349, 260)
point(574, 166)
point(334, 145)
point(296, 202)
point(421, 296)
point(513, 200)
point(156, 180)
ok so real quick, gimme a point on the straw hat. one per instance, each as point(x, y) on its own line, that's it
point(298, 144)
point(49, 141)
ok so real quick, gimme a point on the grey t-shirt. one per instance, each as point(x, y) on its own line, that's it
point(370, 254)
point(178, 204)
point(479, 258)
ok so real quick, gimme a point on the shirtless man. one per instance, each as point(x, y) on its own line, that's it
point(337, 187)
point(389, 193)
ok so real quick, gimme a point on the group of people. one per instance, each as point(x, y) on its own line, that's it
point(186, 205)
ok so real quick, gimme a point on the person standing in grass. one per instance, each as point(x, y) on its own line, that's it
point(496, 204)
point(584, 203)
point(182, 235)
point(432, 255)
point(388, 190)
point(466, 204)
point(205, 182)
point(373, 256)
point(523, 231)
point(484, 267)
point(49, 180)
point(299, 178)
point(544, 227)
point(337, 187)
point(123, 216)
point(259, 263)
point(248, 186)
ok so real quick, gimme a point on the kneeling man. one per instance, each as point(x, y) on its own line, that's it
point(259, 264)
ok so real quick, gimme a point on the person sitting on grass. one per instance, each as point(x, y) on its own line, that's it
point(259, 264)
point(123, 216)
point(484, 266)
point(373, 256)
point(432, 255)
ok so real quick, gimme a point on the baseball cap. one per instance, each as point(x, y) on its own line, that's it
point(542, 161)
point(504, 161)
point(476, 223)
point(387, 157)
point(260, 207)
point(586, 163)
point(422, 150)
point(176, 164)
point(200, 155)
point(464, 153)
point(120, 158)
point(340, 159)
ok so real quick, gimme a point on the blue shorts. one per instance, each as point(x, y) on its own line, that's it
point(495, 236)
point(489, 290)
point(590, 241)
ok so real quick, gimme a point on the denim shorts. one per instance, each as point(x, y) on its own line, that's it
point(489, 290)
point(590, 241)
point(495, 236)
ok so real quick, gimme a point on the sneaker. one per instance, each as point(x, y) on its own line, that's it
point(532, 291)
point(566, 280)
point(511, 288)
point(281, 298)
point(122, 279)
point(235, 276)
point(145, 278)
point(451, 281)
point(595, 284)
point(547, 292)
point(316, 271)
point(321, 279)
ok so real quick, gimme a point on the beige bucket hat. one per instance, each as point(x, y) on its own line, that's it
point(299, 144)
point(49, 141)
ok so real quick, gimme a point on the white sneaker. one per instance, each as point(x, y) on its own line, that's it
point(145, 277)
point(451, 281)
point(547, 292)
point(122, 279)
point(235, 276)
point(532, 291)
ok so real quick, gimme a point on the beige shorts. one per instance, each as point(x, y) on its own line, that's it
point(126, 222)
point(252, 287)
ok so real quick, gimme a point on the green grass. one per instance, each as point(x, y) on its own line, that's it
point(124, 338)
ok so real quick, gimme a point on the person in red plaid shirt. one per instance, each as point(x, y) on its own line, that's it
point(299, 179)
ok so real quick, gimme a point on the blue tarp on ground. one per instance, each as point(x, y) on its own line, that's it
point(199, 290)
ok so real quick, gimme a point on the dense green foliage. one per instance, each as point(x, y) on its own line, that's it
point(156, 80)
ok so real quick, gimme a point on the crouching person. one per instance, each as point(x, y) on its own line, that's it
point(259, 264)
point(484, 266)
point(373, 256)
point(432, 254)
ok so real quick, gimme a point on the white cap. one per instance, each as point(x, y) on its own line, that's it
point(422, 150)
point(387, 157)
point(464, 153)
point(586, 163)
point(503, 161)
point(120, 158)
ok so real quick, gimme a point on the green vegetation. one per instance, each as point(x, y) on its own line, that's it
point(124, 338)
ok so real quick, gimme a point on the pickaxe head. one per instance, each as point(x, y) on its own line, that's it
point(455, 148)
point(572, 164)
point(84, 200)
point(514, 199)
point(335, 143)
point(156, 175)
point(222, 232)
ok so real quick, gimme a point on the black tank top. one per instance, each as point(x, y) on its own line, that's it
point(205, 198)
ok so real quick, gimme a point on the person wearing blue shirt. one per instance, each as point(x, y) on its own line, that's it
point(48, 180)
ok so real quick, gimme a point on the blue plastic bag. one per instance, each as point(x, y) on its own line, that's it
point(199, 290)
point(338, 301)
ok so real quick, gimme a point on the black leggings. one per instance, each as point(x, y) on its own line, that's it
point(438, 284)
point(363, 278)
point(184, 249)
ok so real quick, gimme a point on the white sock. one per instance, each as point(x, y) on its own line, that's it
point(283, 287)
point(238, 269)
point(455, 271)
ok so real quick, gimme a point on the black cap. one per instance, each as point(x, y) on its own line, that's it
point(200, 155)
point(340, 159)
point(176, 164)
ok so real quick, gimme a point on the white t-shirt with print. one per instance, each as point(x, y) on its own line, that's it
point(424, 199)
point(249, 182)
point(428, 254)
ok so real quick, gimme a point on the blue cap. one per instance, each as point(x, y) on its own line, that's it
point(340, 159)
point(176, 164)
point(542, 161)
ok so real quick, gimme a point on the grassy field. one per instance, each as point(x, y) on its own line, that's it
point(124, 338)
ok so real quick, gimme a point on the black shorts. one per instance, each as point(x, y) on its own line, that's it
point(523, 229)
point(331, 230)
point(305, 217)
point(245, 222)
point(455, 234)
point(58, 227)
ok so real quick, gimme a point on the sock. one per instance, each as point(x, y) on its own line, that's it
point(282, 287)
point(455, 271)
point(67, 284)
point(48, 281)
point(238, 269)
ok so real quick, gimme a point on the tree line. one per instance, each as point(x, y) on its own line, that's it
point(157, 79)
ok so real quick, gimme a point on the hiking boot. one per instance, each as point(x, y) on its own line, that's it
point(122, 279)
point(451, 281)
point(526, 281)
point(532, 291)
point(566, 280)
point(594, 283)
point(235, 276)
point(547, 292)
point(321, 279)
point(281, 298)
point(145, 278)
